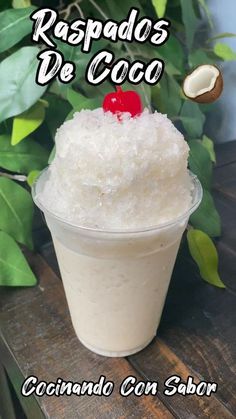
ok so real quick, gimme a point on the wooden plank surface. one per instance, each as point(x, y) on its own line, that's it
point(197, 335)
point(225, 180)
point(158, 360)
point(7, 408)
point(198, 326)
point(225, 153)
point(41, 337)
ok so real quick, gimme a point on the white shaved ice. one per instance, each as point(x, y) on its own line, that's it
point(115, 175)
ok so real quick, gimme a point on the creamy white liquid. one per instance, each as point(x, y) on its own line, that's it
point(116, 304)
point(109, 182)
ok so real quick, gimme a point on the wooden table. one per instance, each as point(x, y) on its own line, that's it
point(196, 337)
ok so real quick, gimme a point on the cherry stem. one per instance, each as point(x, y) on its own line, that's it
point(118, 89)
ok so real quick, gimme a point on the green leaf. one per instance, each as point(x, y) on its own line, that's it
point(59, 89)
point(172, 52)
point(14, 269)
point(198, 57)
point(56, 112)
point(204, 253)
point(190, 21)
point(15, 24)
point(22, 158)
point(44, 103)
point(19, 4)
point(32, 176)
point(52, 155)
point(200, 163)
point(27, 122)
point(206, 217)
point(206, 10)
point(160, 7)
point(209, 145)
point(16, 211)
point(75, 98)
point(68, 118)
point(170, 69)
point(161, 97)
point(192, 118)
point(224, 52)
point(6, 4)
point(119, 9)
point(18, 89)
point(222, 35)
point(79, 102)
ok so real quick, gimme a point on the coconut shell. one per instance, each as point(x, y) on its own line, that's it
point(212, 95)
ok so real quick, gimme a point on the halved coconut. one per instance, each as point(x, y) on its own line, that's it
point(204, 84)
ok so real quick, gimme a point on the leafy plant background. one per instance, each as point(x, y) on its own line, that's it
point(30, 114)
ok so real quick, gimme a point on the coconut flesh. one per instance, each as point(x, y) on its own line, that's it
point(201, 80)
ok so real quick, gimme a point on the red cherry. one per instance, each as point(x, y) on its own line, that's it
point(120, 101)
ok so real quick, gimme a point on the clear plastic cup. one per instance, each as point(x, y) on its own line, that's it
point(115, 281)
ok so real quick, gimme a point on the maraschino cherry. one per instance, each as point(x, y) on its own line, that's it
point(123, 101)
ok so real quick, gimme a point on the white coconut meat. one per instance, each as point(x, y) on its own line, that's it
point(201, 80)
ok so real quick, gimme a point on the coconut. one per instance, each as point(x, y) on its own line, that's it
point(204, 84)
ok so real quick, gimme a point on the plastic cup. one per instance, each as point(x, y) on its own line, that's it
point(115, 281)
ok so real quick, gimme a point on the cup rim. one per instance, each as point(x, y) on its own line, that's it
point(196, 194)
